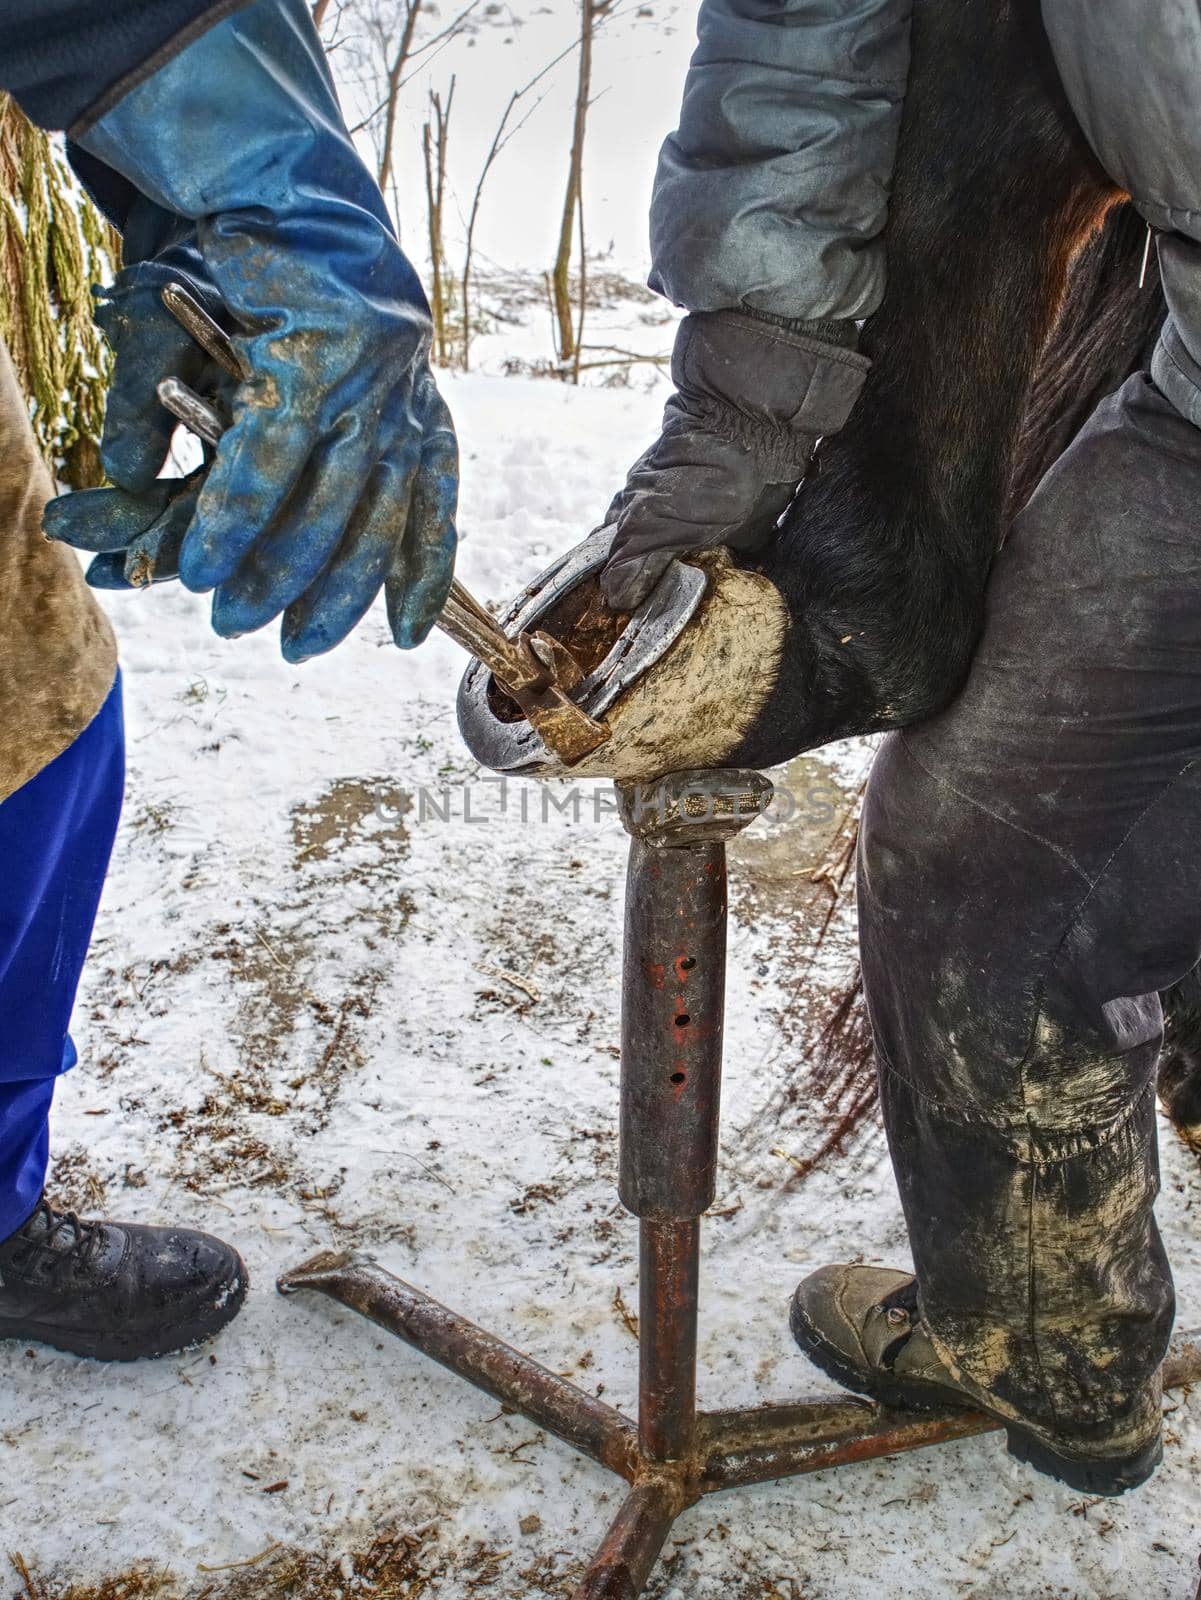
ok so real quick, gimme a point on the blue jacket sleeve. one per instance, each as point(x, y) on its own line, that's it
point(773, 191)
point(1131, 72)
point(66, 60)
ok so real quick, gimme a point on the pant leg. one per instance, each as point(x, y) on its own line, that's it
point(56, 834)
point(1030, 878)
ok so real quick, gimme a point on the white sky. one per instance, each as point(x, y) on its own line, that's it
point(640, 60)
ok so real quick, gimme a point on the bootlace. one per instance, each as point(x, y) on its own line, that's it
point(85, 1236)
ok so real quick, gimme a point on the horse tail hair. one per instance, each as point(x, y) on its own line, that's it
point(1112, 309)
point(1180, 1059)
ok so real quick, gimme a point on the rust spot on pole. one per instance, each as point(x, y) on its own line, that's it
point(672, 1033)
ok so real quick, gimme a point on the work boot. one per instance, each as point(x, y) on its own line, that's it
point(114, 1291)
point(862, 1326)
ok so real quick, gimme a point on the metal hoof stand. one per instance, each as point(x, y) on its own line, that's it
point(672, 1002)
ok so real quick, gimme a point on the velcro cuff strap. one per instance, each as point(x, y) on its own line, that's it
point(779, 383)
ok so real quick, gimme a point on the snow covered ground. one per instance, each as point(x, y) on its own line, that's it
point(317, 1015)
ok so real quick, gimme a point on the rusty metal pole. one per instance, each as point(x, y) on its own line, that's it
point(673, 991)
point(593, 1428)
point(673, 1008)
point(669, 1285)
point(623, 1564)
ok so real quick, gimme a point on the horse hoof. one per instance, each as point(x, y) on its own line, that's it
point(678, 684)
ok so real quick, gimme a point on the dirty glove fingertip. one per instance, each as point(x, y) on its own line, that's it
point(413, 610)
point(294, 651)
point(107, 571)
point(102, 519)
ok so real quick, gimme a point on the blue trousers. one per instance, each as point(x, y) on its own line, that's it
point(56, 836)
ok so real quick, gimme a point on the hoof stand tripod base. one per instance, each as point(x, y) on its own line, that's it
point(672, 1011)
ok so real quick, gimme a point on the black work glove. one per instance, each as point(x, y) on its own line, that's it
point(753, 396)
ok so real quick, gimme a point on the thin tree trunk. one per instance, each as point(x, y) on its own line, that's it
point(320, 7)
point(590, 10)
point(391, 104)
point(434, 145)
point(498, 142)
point(500, 139)
point(583, 300)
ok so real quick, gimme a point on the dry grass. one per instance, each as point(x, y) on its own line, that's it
point(394, 1566)
point(297, 1036)
point(76, 1183)
point(139, 1583)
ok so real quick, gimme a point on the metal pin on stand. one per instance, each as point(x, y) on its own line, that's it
point(672, 1014)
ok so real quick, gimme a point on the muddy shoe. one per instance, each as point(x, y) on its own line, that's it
point(861, 1326)
point(112, 1290)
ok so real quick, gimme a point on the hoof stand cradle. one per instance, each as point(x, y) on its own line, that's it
point(675, 684)
point(672, 1003)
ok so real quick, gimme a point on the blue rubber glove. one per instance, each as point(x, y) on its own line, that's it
point(140, 529)
point(339, 472)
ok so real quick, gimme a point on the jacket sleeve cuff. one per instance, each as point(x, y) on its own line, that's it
point(65, 61)
point(200, 15)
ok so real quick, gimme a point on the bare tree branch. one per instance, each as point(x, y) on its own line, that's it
point(434, 148)
point(500, 139)
point(592, 14)
point(579, 327)
point(450, 31)
point(437, 43)
point(395, 70)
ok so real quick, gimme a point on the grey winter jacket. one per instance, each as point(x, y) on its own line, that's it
point(773, 192)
